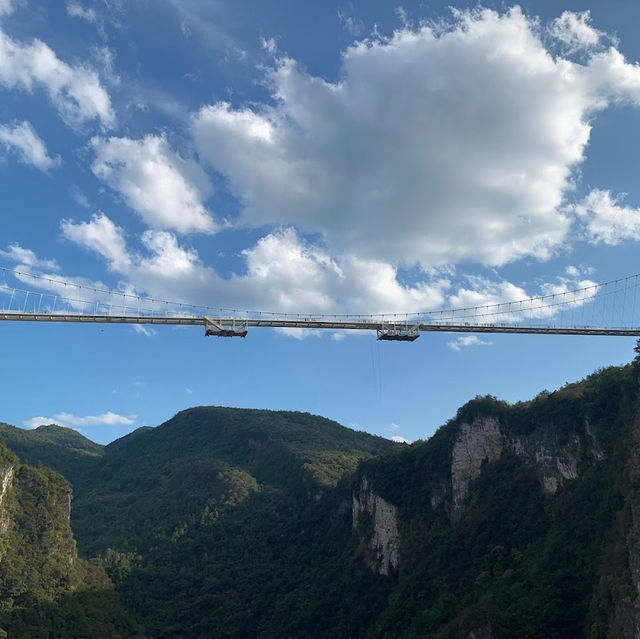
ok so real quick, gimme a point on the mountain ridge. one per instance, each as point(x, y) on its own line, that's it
point(512, 519)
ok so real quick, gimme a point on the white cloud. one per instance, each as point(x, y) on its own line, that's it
point(72, 421)
point(30, 148)
point(75, 91)
point(105, 57)
point(299, 333)
point(575, 30)
point(6, 7)
point(394, 428)
point(105, 419)
point(100, 235)
point(490, 301)
point(285, 274)
point(408, 158)
point(481, 292)
point(166, 190)
point(206, 20)
point(78, 11)
point(27, 257)
point(297, 276)
point(144, 330)
point(69, 294)
point(465, 341)
point(79, 197)
point(572, 271)
point(353, 26)
point(606, 220)
point(34, 422)
point(269, 45)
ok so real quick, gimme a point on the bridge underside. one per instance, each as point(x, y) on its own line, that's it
point(386, 331)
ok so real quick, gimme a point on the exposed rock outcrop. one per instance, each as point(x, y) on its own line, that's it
point(7, 471)
point(384, 540)
point(484, 440)
point(477, 442)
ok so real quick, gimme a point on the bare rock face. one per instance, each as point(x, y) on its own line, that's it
point(479, 441)
point(554, 463)
point(7, 472)
point(484, 441)
point(384, 542)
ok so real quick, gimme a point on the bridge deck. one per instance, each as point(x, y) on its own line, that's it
point(319, 323)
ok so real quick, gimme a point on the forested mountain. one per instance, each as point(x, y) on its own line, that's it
point(512, 520)
point(45, 589)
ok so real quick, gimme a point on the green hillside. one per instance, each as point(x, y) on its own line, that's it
point(63, 449)
point(516, 559)
point(155, 483)
point(45, 589)
point(512, 520)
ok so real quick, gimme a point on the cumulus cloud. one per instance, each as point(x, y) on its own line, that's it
point(66, 293)
point(166, 190)
point(35, 422)
point(75, 91)
point(27, 257)
point(102, 236)
point(575, 31)
point(483, 300)
point(285, 274)
point(107, 419)
point(394, 428)
point(29, 147)
point(467, 340)
point(407, 157)
point(67, 419)
point(606, 220)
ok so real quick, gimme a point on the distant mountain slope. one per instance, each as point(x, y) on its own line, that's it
point(63, 449)
point(152, 483)
point(511, 521)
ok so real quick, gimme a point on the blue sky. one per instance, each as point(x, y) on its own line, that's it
point(334, 157)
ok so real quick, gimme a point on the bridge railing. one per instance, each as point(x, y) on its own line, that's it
point(612, 304)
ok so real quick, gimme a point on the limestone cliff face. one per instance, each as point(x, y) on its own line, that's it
point(7, 471)
point(476, 443)
point(384, 540)
point(484, 440)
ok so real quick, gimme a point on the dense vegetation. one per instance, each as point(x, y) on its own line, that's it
point(238, 523)
point(45, 589)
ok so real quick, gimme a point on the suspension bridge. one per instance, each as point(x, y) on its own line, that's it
point(610, 308)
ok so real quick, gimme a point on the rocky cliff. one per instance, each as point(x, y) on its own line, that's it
point(484, 439)
point(511, 521)
point(377, 520)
